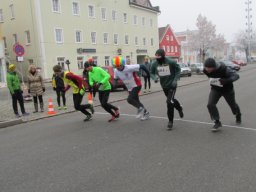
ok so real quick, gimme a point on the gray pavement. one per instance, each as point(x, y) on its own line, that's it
point(65, 154)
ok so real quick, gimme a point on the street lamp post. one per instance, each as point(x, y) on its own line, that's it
point(249, 27)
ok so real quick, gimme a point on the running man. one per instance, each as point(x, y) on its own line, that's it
point(169, 73)
point(78, 86)
point(100, 79)
point(128, 74)
point(221, 81)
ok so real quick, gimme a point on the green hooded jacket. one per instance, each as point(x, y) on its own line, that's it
point(13, 82)
point(99, 75)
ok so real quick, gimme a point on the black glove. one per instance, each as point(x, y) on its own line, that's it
point(54, 88)
point(43, 89)
point(223, 81)
point(97, 85)
point(28, 90)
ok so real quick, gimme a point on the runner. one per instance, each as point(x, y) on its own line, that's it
point(78, 87)
point(221, 80)
point(100, 79)
point(169, 73)
point(128, 74)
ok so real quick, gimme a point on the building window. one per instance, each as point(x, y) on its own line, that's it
point(104, 14)
point(79, 37)
point(95, 59)
point(176, 49)
point(15, 38)
point(143, 21)
point(126, 40)
point(107, 60)
point(151, 22)
point(171, 38)
point(135, 20)
point(58, 35)
point(61, 62)
point(152, 42)
point(114, 15)
point(28, 39)
point(125, 18)
point(136, 41)
point(93, 37)
point(115, 39)
point(163, 47)
point(30, 61)
point(12, 11)
point(105, 38)
point(168, 49)
point(1, 15)
point(76, 9)
point(91, 11)
point(56, 6)
point(144, 41)
point(5, 42)
point(80, 64)
point(167, 38)
point(172, 49)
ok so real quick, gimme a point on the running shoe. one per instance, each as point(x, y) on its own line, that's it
point(238, 119)
point(216, 126)
point(145, 116)
point(140, 112)
point(117, 112)
point(88, 118)
point(169, 126)
point(113, 118)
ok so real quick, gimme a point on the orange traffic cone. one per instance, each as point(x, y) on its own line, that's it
point(50, 107)
point(89, 97)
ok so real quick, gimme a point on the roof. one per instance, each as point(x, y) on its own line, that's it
point(161, 32)
point(146, 4)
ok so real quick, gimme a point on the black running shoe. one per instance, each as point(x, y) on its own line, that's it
point(181, 112)
point(216, 126)
point(88, 118)
point(238, 119)
point(169, 126)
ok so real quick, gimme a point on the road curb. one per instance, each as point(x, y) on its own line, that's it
point(5, 124)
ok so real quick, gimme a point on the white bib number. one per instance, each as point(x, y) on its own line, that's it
point(215, 82)
point(163, 71)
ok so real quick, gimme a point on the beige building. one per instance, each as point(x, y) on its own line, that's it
point(53, 31)
point(2, 58)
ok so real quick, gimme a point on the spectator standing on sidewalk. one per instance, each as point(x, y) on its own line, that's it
point(13, 83)
point(59, 86)
point(147, 81)
point(36, 87)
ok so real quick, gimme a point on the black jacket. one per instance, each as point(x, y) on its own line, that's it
point(226, 75)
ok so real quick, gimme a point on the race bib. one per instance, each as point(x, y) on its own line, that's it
point(215, 82)
point(163, 71)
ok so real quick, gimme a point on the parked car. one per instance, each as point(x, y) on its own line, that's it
point(231, 65)
point(120, 83)
point(185, 70)
point(240, 62)
point(197, 68)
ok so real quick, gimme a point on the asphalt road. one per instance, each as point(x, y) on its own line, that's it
point(64, 154)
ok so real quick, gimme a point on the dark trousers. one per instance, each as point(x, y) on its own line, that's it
point(133, 97)
point(147, 80)
point(17, 96)
point(61, 93)
point(103, 97)
point(93, 90)
point(40, 98)
point(215, 96)
point(171, 103)
point(77, 98)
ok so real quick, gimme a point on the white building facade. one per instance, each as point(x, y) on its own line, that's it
point(53, 31)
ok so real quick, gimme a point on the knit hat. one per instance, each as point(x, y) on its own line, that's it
point(12, 67)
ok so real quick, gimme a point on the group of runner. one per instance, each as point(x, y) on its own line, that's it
point(162, 69)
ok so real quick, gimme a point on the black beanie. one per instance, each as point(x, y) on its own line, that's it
point(86, 64)
point(160, 52)
point(210, 62)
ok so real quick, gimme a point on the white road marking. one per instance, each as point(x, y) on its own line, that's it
point(184, 120)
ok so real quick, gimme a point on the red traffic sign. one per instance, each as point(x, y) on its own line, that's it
point(18, 49)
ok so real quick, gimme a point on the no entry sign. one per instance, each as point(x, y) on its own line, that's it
point(18, 49)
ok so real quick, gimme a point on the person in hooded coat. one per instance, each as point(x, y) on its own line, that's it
point(168, 71)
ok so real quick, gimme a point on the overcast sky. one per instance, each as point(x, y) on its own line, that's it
point(227, 15)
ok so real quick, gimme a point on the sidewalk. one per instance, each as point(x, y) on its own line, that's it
point(6, 112)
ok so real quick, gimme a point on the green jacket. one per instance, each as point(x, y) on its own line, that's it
point(169, 73)
point(13, 82)
point(99, 75)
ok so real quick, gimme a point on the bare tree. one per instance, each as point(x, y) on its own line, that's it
point(205, 38)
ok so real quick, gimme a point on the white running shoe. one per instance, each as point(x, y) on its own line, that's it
point(140, 112)
point(145, 116)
